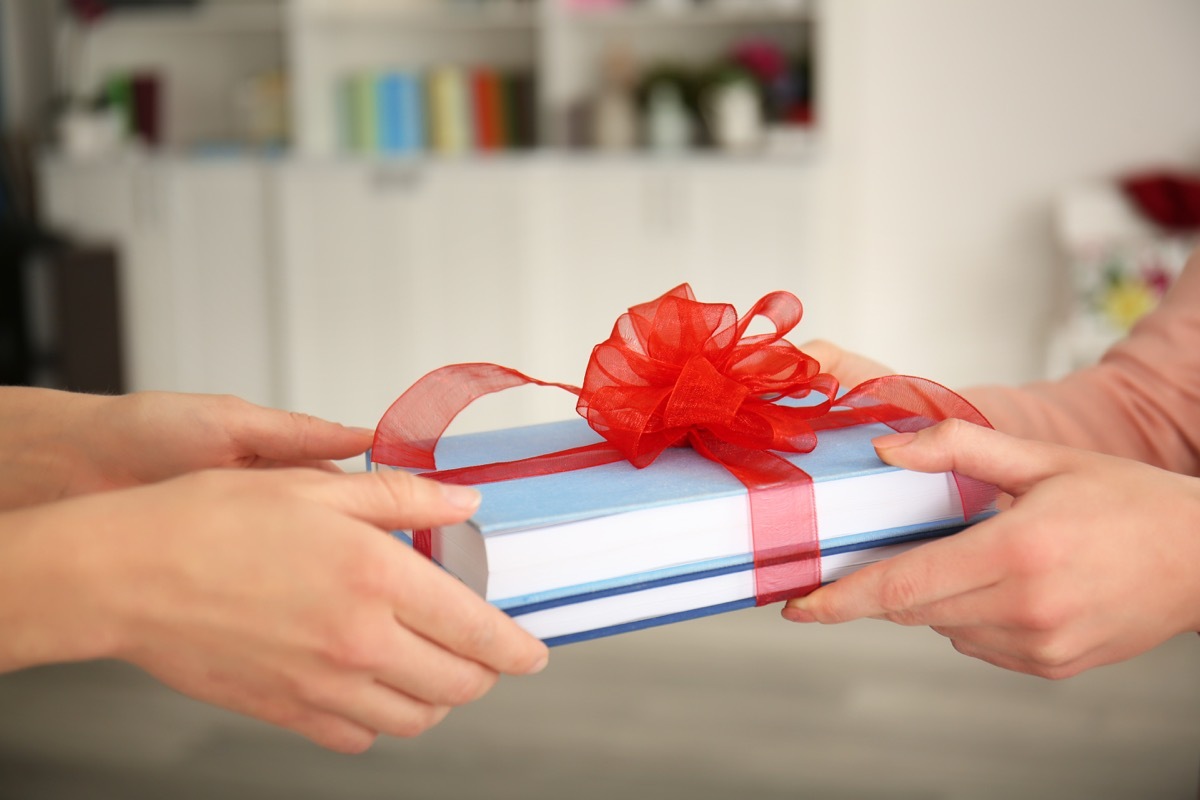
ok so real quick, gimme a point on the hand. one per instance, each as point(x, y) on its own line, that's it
point(849, 368)
point(59, 444)
point(276, 594)
point(1095, 562)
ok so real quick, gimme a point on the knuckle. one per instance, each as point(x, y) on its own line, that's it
point(467, 684)
point(479, 630)
point(352, 648)
point(421, 718)
point(897, 592)
point(905, 617)
point(398, 486)
point(1051, 655)
point(315, 691)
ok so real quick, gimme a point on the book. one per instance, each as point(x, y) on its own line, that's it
point(487, 114)
point(358, 113)
point(401, 113)
point(650, 601)
point(390, 99)
point(412, 113)
point(585, 553)
point(450, 111)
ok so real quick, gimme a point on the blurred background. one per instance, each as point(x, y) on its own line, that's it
point(311, 203)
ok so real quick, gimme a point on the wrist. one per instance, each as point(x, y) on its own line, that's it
point(41, 431)
point(53, 604)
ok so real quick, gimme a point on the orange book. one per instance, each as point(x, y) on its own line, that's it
point(489, 122)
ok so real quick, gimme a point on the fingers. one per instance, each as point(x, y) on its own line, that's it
point(934, 572)
point(428, 600)
point(442, 609)
point(1045, 656)
point(396, 500)
point(381, 708)
point(290, 437)
point(1010, 463)
point(428, 673)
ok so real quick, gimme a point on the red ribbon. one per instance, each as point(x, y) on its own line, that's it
point(677, 372)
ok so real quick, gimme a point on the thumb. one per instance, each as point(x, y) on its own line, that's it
point(395, 500)
point(974, 451)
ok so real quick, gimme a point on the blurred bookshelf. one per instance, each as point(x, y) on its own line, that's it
point(462, 78)
point(268, 214)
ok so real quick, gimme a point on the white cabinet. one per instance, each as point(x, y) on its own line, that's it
point(390, 270)
point(330, 286)
point(194, 266)
point(612, 234)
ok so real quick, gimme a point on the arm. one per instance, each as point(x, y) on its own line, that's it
point(276, 594)
point(60, 444)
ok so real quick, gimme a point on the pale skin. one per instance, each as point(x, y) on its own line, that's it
point(276, 593)
point(1092, 563)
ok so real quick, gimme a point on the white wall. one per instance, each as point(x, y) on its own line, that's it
point(951, 125)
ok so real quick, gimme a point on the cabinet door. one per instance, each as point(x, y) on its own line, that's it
point(218, 242)
point(193, 267)
point(754, 231)
point(345, 286)
point(391, 270)
point(609, 234)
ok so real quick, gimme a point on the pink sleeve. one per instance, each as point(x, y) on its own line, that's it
point(1141, 401)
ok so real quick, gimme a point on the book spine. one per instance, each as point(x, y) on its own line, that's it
point(366, 108)
point(390, 91)
point(412, 112)
point(486, 107)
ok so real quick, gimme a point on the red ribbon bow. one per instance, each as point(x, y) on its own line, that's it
point(675, 372)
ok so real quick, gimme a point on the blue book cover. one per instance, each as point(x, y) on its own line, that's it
point(389, 90)
point(572, 534)
point(412, 113)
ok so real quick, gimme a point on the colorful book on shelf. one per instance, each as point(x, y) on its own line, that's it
point(412, 112)
point(358, 113)
point(401, 113)
point(588, 553)
point(487, 108)
point(389, 92)
point(450, 110)
point(518, 97)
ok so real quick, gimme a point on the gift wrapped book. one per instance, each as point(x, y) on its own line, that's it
point(711, 471)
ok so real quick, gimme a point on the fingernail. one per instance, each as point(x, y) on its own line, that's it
point(893, 440)
point(540, 665)
point(357, 429)
point(464, 497)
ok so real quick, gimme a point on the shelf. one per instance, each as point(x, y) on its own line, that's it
point(695, 16)
point(488, 15)
point(263, 16)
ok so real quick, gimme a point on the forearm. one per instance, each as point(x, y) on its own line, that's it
point(39, 431)
point(1142, 401)
point(51, 608)
point(1103, 408)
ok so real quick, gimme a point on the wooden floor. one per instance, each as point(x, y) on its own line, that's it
point(739, 706)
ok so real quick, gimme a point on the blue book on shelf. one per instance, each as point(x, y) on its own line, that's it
point(389, 90)
point(592, 552)
point(412, 112)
